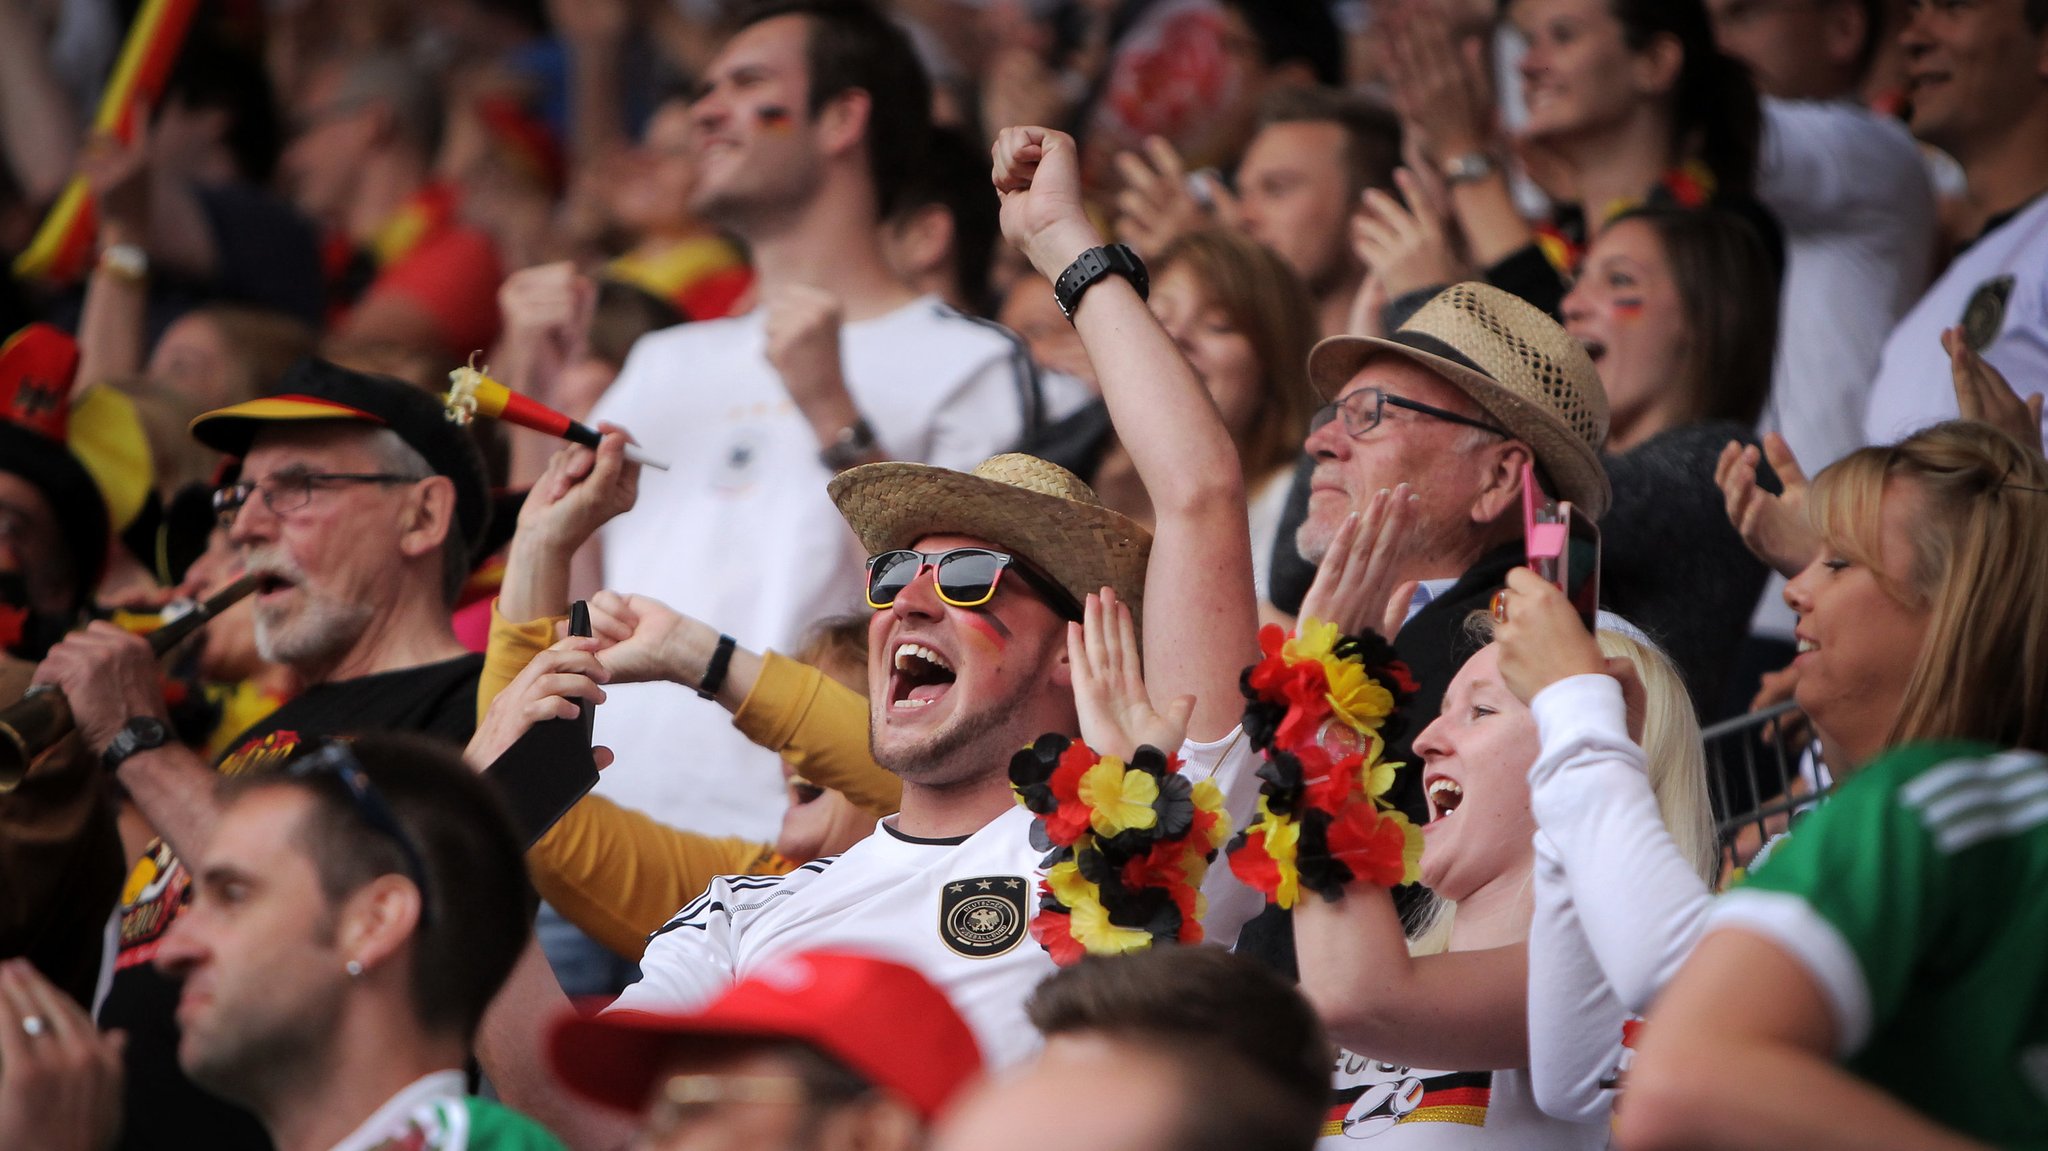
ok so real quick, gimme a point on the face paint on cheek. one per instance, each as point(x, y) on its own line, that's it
point(1630, 310)
point(988, 627)
point(774, 118)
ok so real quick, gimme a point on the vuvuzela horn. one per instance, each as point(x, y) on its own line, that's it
point(33, 725)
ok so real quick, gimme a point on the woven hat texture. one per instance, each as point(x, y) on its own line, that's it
point(1022, 504)
point(1529, 374)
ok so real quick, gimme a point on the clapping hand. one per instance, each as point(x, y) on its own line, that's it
point(1156, 206)
point(1774, 527)
point(1355, 585)
point(1117, 717)
point(60, 1078)
point(1404, 242)
point(1984, 395)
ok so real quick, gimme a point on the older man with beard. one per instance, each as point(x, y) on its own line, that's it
point(360, 505)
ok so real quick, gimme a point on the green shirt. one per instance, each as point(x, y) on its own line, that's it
point(1917, 897)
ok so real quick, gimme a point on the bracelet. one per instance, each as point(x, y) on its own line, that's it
point(1321, 707)
point(1129, 846)
point(714, 672)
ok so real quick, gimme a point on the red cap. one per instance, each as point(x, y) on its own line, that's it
point(881, 1019)
point(36, 366)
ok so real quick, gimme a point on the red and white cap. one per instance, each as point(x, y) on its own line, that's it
point(884, 1021)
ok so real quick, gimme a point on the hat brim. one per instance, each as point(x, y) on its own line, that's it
point(1083, 547)
point(1570, 463)
point(614, 1058)
point(232, 429)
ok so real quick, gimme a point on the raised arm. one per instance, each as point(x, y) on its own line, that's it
point(1462, 1009)
point(1200, 614)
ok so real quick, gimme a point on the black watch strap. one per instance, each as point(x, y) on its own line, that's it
point(1091, 266)
point(140, 733)
point(714, 672)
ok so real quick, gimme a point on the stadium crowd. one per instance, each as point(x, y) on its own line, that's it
point(967, 574)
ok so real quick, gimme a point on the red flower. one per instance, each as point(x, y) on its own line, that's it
point(1255, 866)
point(1370, 844)
point(1066, 778)
point(1327, 784)
point(1067, 823)
point(1053, 931)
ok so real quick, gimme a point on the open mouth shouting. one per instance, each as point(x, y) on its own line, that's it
point(920, 678)
point(1445, 795)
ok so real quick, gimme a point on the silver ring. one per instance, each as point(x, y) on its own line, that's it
point(33, 1025)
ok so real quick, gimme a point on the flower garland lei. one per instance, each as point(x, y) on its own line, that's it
point(1321, 707)
point(1129, 845)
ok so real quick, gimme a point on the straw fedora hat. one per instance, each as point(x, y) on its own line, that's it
point(1020, 503)
point(1529, 374)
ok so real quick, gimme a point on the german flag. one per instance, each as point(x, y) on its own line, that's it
point(1460, 1097)
point(63, 246)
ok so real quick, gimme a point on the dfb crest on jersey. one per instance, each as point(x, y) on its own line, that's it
point(1984, 316)
point(984, 916)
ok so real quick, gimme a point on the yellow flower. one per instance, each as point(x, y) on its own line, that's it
point(1283, 843)
point(1376, 775)
point(1411, 850)
point(1312, 639)
point(1118, 800)
point(1209, 798)
point(1067, 885)
point(1090, 926)
point(1355, 697)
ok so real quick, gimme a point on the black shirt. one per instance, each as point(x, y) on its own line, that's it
point(162, 1108)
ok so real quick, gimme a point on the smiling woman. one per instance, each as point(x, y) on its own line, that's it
point(1679, 310)
point(1459, 996)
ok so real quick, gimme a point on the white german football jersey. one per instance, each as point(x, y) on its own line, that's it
point(955, 909)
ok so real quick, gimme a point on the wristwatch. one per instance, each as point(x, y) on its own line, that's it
point(1469, 168)
point(1091, 266)
point(855, 443)
point(140, 733)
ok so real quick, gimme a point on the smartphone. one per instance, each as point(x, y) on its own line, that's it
point(1562, 544)
point(545, 771)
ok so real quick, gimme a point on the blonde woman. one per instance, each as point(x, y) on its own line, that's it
point(1461, 997)
point(1923, 617)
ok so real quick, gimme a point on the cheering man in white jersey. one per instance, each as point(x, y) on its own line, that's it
point(976, 583)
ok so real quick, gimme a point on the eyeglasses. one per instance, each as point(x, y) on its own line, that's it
point(1363, 408)
point(963, 577)
point(687, 1099)
point(287, 492)
point(337, 760)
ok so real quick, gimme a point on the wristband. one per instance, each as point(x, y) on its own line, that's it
point(714, 672)
point(1090, 267)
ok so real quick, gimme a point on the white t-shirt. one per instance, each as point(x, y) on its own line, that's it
point(1858, 211)
point(741, 534)
point(956, 910)
point(1997, 288)
point(1378, 1105)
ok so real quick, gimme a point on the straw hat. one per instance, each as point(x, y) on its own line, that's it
point(1529, 374)
point(1039, 510)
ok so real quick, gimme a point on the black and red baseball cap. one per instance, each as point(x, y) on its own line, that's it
point(315, 391)
point(884, 1021)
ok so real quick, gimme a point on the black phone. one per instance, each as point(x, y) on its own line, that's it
point(546, 770)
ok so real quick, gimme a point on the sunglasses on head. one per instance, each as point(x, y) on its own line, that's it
point(963, 577)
